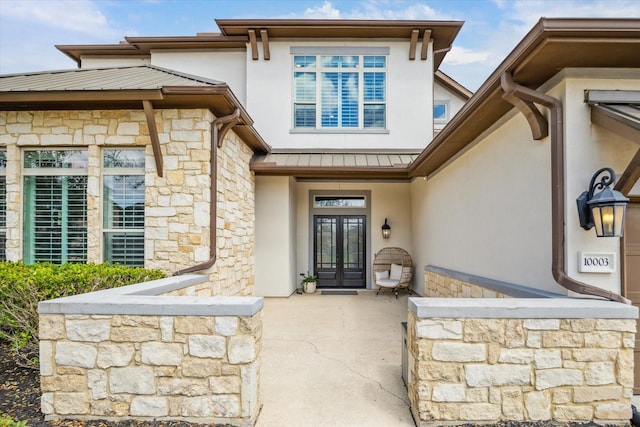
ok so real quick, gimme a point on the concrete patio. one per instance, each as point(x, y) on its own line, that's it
point(333, 360)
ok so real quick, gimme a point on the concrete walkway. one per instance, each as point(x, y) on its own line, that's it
point(333, 361)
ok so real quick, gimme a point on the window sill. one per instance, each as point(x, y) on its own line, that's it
point(338, 131)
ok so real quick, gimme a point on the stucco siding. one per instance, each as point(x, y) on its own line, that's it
point(590, 147)
point(488, 212)
point(409, 97)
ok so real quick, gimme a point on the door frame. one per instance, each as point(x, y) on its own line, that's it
point(366, 212)
point(635, 200)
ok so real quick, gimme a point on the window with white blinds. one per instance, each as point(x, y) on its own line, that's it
point(3, 205)
point(347, 91)
point(123, 206)
point(55, 206)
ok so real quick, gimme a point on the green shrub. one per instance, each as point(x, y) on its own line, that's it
point(22, 287)
point(10, 422)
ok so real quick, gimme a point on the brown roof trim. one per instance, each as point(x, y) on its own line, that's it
point(235, 35)
point(597, 43)
point(442, 32)
point(142, 46)
point(346, 173)
point(219, 99)
point(452, 85)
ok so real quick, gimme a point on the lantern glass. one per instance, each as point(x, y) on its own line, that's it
point(608, 220)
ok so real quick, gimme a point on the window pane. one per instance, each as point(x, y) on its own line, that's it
point(339, 61)
point(349, 99)
point(339, 202)
point(374, 87)
point(125, 248)
point(374, 116)
point(59, 159)
point(330, 99)
point(375, 61)
point(305, 86)
point(304, 61)
point(55, 224)
point(3, 201)
point(440, 112)
point(304, 115)
point(123, 201)
point(3, 159)
point(123, 158)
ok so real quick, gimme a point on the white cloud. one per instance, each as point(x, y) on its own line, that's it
point(78, 16)
point(462, 56)
point(375, 9)
point(527, 12)
point(324, 11)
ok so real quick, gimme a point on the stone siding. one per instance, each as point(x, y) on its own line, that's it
point(464, 370)
point(176, 205)
point(197, 368)
point(442, 286)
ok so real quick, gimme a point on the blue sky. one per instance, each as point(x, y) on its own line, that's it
point(29, 29)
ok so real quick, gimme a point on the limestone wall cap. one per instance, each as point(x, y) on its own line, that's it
point(147, 299)
point(520, 308)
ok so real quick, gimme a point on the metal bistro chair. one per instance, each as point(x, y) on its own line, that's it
point(392, 270)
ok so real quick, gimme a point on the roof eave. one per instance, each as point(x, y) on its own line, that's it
point(486, 106)
point(219, 99)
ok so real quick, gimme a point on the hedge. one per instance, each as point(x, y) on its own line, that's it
point(22, 287)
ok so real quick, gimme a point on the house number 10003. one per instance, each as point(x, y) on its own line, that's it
point(602, 262)
point(590, 262)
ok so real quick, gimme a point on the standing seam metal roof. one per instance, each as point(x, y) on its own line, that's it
point(143, 77)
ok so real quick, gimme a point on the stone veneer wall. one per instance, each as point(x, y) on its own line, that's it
point(194, 367)
point(445, 283)
point(520, 359)
point(443, 286)
point(177, 205)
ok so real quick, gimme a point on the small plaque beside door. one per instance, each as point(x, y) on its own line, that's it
point(596, 262)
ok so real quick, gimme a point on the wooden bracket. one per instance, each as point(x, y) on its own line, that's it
point(153, 133)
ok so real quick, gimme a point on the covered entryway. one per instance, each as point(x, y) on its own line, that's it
point(632, 273)
point(339, 250)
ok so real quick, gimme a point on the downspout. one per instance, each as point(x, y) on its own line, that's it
point(217, 137)
point(554, 105)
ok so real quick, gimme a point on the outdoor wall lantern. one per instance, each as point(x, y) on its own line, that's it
point(604, 209)
point(386, 230)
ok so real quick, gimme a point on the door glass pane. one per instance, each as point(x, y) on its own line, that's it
point(326, 242)
point(353, 242)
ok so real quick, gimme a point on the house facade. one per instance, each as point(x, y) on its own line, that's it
point(356, 94)
point(280, 147)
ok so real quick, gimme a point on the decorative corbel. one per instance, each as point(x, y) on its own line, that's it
point(153, 133)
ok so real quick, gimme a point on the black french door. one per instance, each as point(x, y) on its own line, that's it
point(339, 250)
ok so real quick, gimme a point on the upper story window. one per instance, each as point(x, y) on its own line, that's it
point(339, 91)
point(440, 111)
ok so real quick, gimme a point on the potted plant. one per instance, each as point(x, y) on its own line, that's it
point(309, 282)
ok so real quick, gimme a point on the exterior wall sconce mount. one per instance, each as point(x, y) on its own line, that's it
point(386, 230)
point(604, 209)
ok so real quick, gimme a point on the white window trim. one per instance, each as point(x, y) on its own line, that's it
point(318, 52)
point(446, 107)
